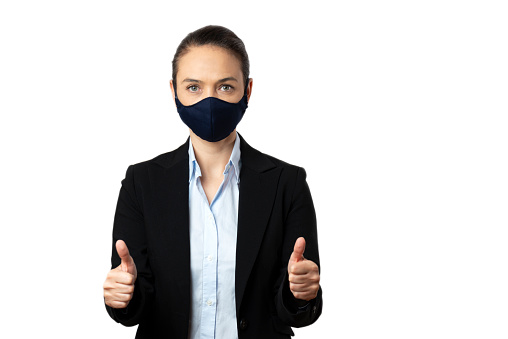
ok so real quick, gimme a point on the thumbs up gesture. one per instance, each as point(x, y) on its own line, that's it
point(303, 273)
point(119, 284)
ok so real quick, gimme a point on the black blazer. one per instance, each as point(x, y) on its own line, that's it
point(152, 217)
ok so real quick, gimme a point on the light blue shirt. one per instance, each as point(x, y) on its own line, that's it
point(212, 230)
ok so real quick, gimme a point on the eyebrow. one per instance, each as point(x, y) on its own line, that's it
point(199, 81)
point(228, 79)
point(190, 80)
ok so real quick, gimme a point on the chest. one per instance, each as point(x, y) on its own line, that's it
point(213, 219)
point(210, 187)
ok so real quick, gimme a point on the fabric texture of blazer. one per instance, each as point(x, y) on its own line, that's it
point(152, 217)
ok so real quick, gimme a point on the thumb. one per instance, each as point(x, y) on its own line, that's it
point(298, 250)
point(127, 263)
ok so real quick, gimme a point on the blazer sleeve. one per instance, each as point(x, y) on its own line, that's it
point(129, 226)
point(300, 222)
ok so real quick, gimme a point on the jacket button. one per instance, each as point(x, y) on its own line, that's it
point(243, 324)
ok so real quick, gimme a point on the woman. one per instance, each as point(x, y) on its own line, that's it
point(209, 239)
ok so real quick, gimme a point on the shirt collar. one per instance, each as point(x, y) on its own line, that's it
point(234, 160)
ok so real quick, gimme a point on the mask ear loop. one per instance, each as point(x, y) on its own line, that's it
point(174, 87)
point(246, 86)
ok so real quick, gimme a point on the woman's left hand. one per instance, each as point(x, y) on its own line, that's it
point(303, 273)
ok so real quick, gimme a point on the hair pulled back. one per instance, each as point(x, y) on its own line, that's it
point(217, 36)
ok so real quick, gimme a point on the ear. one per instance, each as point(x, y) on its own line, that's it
point(172, 90)
point(249, 89)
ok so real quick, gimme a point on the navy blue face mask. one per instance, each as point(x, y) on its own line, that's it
point(212, 119)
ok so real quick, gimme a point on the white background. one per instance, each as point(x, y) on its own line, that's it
point(396, 109)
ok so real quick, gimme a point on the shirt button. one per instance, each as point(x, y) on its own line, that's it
point(209, 258)
point(209, 302)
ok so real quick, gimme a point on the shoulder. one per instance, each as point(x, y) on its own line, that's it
point(262, 162)
point(290, 169)
point(289, 179)
point(291, 174)
point(166, 160)
point(160, 162)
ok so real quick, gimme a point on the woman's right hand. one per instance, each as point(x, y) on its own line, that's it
point(119, 284)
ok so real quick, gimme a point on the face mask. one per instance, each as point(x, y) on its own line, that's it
point(212, 119)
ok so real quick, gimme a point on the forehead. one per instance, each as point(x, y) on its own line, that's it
point(208, 63)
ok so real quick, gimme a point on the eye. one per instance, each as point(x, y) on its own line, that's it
point(226, 88)
point(193, 88)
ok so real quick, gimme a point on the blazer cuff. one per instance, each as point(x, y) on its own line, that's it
point(295, 312)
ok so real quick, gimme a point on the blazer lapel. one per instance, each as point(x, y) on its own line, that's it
point(258, 185)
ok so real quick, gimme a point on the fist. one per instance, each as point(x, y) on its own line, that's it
point(119, 284)
point(303, 274)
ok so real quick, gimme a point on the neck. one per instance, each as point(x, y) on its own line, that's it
point(212, 157)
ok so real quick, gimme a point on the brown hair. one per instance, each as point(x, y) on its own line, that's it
point(217, 36)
